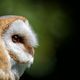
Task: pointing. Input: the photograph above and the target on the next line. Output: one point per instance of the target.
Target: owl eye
(17, 39)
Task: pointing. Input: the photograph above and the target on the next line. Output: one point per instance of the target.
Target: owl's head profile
(17, 43)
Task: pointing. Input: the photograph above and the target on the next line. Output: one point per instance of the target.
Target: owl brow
(6, 26)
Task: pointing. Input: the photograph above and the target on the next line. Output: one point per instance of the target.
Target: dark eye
(17, 39)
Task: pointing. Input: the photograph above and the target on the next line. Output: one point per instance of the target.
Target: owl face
(19, 42)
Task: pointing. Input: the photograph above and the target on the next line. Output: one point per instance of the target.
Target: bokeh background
(54, 23)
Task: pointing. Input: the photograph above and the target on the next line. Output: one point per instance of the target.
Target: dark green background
(54, 23)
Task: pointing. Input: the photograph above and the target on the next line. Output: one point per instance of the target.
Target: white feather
(19, 27)
(24, 29)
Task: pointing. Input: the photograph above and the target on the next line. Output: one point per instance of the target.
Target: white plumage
(19, 40)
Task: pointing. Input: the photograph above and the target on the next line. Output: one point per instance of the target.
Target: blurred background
(54, 23)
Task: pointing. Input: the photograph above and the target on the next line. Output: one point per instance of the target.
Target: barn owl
(17, 43)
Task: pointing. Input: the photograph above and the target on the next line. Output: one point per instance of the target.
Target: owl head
(17, 43)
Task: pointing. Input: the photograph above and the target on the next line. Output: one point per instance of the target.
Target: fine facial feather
(20, 28)
(20, 54)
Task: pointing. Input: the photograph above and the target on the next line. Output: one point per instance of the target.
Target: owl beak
(30, 50)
